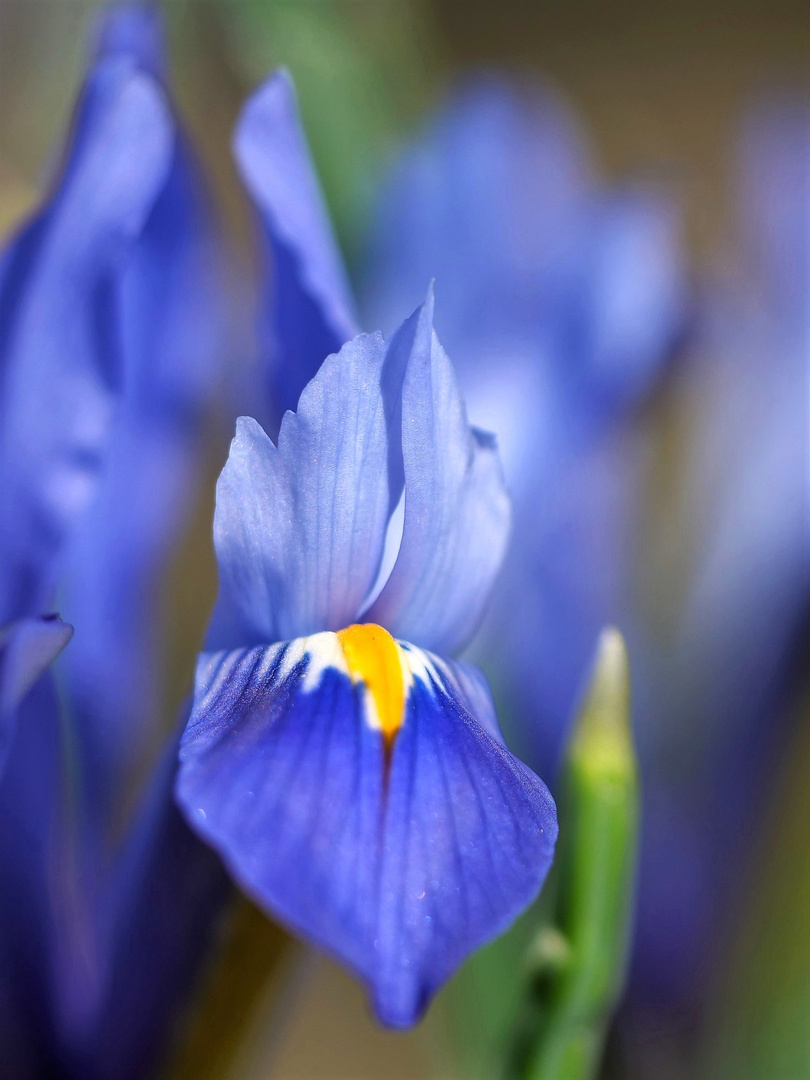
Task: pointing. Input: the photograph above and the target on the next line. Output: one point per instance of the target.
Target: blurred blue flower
(111, 338)
(110, 343)
(720, 673)
(562, 300)
(305, 310)
(357, 786)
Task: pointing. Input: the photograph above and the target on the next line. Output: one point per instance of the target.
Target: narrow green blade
(580, 960)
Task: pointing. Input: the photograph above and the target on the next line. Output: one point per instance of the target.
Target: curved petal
(309, 310)
(61, 363)
(299, 530)
(399, 857)
(171, 332)
(457, 511)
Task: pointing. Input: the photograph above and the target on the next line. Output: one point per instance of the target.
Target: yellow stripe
(372, 657)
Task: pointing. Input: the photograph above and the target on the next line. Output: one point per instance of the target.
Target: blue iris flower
(351, 776)
(561, 302)
(110, 345)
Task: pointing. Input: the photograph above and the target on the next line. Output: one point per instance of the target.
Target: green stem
(575, 998)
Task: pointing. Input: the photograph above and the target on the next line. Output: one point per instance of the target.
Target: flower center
(373, 659)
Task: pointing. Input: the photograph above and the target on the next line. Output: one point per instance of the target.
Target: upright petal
(171, 336)
(309, 311)
(398, 854)
(457, 512)
(299, 530)
(61, 364)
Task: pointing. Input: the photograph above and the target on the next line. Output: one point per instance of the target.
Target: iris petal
(457, 511)
(299, 530)
(399, 862)
(61, 364)
(170, 336)
(309, 309)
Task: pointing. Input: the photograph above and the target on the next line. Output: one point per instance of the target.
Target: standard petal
(61, 362)
(299, 530)
(457, 511)
(399, 858)
(309, 311)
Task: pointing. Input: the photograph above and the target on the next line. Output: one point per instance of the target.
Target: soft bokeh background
(660, 90)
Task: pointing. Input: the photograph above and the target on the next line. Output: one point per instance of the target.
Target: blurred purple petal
(61, 365)
(308, 309)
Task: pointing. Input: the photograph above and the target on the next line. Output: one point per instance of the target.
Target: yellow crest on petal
(374, 659)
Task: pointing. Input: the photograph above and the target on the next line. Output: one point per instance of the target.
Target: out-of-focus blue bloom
(110, 341)
(719, 677)
(110, 334)
(169, 346)
(306, 310)
(357, 786)
(60, 366)
(561, 302)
